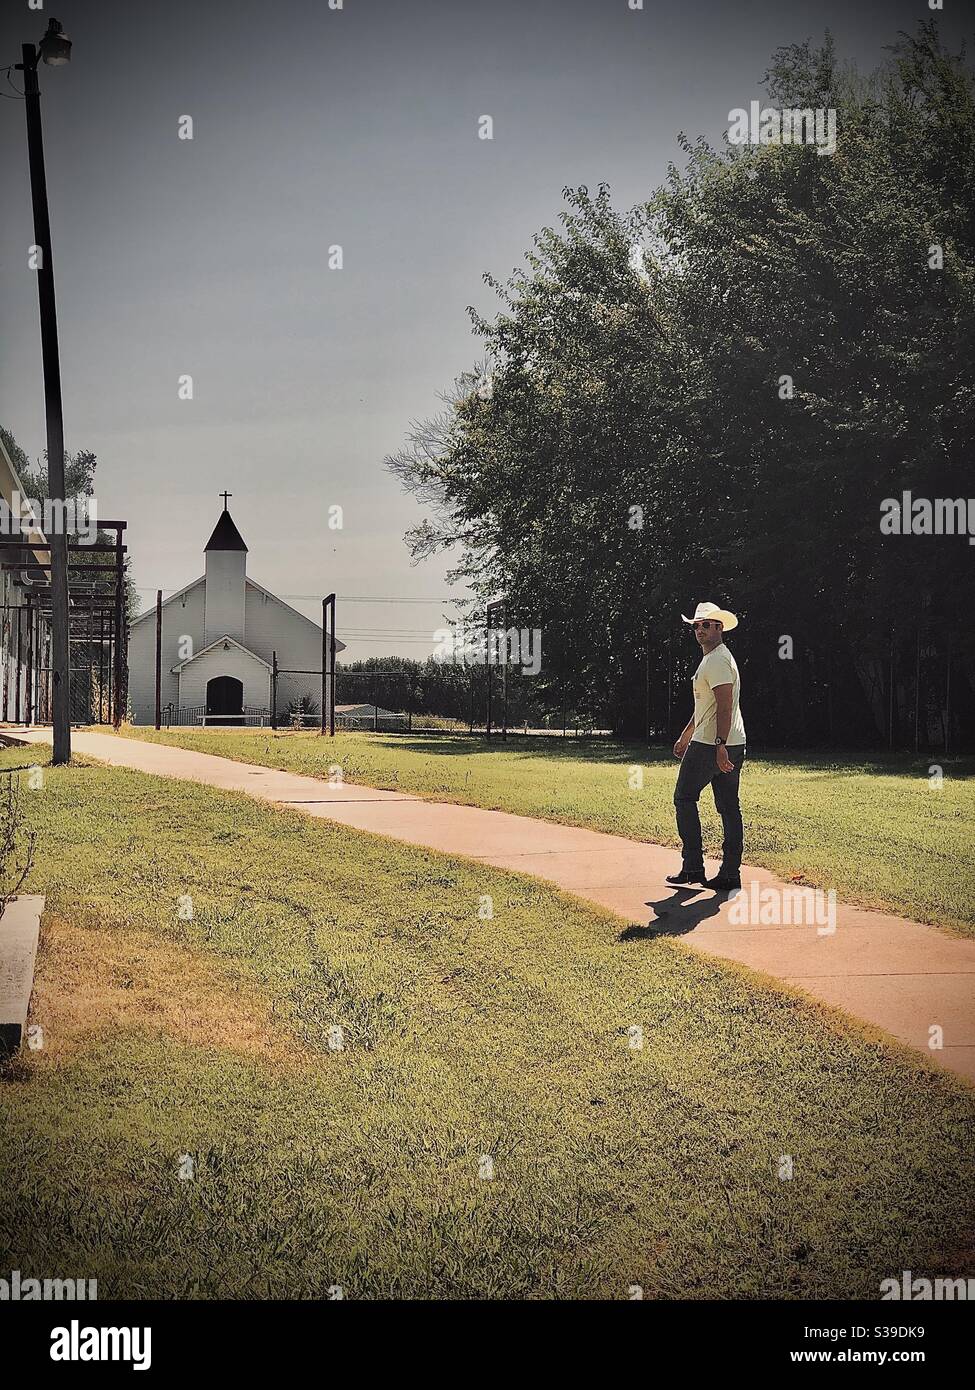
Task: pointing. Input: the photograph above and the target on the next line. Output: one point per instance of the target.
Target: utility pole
(158, 658)
(324, 712)
(55, 49)
(331, 669)
(328, 662)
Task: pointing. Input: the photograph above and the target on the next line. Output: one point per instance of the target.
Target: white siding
(229, 661)
(268, 626)
(271, 625)
(224, 602)
(182, 617)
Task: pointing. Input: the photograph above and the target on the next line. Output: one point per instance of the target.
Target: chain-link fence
(296, 698)
(254, 716)
(25, 697)
(474, 699)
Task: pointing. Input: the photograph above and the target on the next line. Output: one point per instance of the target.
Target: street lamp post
(55, 50)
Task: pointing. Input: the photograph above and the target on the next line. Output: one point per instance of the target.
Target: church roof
(225, 640)
(250, 583)
(225, 535)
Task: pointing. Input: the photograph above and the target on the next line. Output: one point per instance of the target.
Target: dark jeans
(698, 768)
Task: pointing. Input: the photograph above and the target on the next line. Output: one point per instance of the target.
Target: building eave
(151, 612)
(211, 646)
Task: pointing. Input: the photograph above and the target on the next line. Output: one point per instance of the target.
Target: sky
(315, 127)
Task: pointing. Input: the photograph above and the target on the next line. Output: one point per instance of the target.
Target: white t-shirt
(718, 667)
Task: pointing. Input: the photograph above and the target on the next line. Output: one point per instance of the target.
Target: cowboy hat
(712, 611)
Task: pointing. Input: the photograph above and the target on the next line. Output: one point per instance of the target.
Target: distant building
(365, 716)
(218, 636)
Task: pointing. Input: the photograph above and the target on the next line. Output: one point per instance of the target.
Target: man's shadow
(676, 915)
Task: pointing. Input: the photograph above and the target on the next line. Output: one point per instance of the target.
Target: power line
(10, 82)
(315, 598)
(349, 598)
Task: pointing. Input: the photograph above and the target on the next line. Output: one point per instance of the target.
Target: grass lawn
(877, 831)
(209, 1042)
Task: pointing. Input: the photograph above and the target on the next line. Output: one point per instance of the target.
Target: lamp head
(55, 46)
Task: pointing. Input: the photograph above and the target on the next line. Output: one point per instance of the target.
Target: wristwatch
(720, 742)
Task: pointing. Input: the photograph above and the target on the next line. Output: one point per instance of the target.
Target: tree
(711, 396)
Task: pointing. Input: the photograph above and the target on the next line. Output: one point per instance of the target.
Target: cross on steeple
(225, 495)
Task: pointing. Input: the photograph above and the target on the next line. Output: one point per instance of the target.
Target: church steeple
(225, 534)
(226, 575)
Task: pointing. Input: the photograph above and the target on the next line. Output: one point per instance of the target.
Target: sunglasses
(706, 623)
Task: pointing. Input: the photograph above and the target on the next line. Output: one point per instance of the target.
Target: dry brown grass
(90, 983)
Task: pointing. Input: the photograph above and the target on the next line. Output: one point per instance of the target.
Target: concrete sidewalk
(901, 976)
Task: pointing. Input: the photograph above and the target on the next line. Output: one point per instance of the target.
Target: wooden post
(101, 666)
(45, 659)
(5, 645)
(29, 679)
(158, 658)
(331, 667)
(118, 701)
(20, 658)
(110, 681)
(111, 668)
(321, 730)
(124, 666)
(328, 662)
(274, 690)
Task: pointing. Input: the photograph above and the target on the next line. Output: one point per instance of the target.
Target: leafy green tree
(711, 395)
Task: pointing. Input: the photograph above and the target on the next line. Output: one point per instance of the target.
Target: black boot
(686, 877)
(725, 880)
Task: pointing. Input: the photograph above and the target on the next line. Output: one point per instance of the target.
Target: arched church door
(225, 695)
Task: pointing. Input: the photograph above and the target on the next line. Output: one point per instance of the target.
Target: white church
(218, 637)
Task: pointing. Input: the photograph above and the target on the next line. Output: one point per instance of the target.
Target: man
(711, 749)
